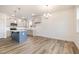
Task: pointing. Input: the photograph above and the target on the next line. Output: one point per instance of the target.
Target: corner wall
(60, 25)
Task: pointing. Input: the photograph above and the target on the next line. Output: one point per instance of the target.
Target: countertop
(19, 29)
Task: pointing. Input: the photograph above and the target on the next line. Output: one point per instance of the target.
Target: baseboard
(58, 38)
(76, 49)
(76, 44)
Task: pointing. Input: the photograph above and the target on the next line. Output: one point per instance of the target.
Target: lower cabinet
(19, 36)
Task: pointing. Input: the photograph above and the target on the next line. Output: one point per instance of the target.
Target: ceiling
(28, 10)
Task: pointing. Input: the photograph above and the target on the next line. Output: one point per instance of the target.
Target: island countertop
(17, 30)
(20, 29)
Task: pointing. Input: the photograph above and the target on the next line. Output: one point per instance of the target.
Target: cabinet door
(22, 36)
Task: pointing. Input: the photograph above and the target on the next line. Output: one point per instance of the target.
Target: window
(77, 11)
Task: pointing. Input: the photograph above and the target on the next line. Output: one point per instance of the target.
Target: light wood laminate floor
(37, 45)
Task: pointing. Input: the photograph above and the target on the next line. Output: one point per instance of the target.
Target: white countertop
(17, 30)
(20, 29)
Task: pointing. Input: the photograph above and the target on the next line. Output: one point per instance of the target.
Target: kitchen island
(19, 35)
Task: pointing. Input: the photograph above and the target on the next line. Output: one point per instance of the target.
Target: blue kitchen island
(19, 36)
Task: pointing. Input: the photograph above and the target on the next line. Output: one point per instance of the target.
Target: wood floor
(37, 45)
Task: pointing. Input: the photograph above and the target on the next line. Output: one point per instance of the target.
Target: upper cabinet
(17, 22)
(36, 19)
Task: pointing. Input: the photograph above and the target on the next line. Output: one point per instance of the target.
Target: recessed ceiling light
(19, 20)
(33, 14)
(15, 21)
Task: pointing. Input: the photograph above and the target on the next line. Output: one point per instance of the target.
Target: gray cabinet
(20, 36)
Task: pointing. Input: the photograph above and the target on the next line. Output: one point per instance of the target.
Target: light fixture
(47, 11)
(19, 20)
(15, 21)
(17, 16)
(47, 15)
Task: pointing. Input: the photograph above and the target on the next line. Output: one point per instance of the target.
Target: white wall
(60, 25)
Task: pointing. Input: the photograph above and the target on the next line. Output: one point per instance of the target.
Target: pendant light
(47, 11)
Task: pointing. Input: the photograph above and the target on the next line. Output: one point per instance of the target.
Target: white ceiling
(27, 10)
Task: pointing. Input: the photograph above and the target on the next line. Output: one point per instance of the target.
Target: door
(2, 26)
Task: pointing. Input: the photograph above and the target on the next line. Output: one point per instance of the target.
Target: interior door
(2, 26)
